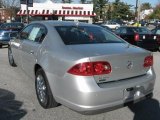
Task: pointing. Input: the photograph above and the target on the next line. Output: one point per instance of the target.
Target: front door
(29, 49)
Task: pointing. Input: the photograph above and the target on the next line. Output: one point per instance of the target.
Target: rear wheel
(0, 46)
(10, 57)
(159, 48)
(43, 90)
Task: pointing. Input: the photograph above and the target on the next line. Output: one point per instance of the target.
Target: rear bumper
(4, 42)
(85, 95)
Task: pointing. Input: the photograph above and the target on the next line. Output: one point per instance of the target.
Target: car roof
(131, 27)
(12, 23)
(7, 31)
(63, 23)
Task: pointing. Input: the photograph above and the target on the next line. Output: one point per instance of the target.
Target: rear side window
(142, 30)
(158, 32)
(6, 34)
(130, 31)
(86, 35)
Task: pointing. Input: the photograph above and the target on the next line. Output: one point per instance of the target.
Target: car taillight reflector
(136, 37)
(148, 61)
(90, 68)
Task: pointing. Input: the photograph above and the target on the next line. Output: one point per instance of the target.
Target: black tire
(10, 57)
(48, 101)
(0, 46)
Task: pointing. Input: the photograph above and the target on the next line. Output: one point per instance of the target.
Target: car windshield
(86, 35)
(142, 30)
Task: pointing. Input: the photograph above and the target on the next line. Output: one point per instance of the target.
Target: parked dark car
(118, 21)
(6, 29)
(16, 26)
(5, 37)
(157, 32)
(139, 36)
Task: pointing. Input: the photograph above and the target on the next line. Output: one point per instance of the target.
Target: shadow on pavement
(146, 110)
(10, 109)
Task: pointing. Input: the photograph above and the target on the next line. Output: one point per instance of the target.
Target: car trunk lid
(126, 60)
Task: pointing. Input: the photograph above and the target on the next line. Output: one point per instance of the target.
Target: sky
(133, 2)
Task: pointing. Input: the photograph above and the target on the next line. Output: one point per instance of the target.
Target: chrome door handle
(31, 52)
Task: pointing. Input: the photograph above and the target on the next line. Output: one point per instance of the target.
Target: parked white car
(112, 25)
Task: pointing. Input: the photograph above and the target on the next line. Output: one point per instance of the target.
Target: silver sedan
(82, 66)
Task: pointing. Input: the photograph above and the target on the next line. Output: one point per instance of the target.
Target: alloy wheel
(41, 88)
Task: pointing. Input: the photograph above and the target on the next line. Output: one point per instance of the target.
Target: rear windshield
(142, 30)
(86, 35)
(4, 34)
(12, 25)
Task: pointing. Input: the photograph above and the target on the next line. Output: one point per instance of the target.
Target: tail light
(136, 37)
(158, 39)
(90, 68)
(148, 61)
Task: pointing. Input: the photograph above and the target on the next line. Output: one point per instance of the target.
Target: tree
(83, 1)
(121, 10)
(156, 13)
(12, 7)
(10, 3)
(109, 12)
(99, 8)
(66, 1)
(146, 6)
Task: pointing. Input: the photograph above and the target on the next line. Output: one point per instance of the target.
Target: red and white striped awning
(57, 13)
(31, 12)
(35, 12)
(73, 13)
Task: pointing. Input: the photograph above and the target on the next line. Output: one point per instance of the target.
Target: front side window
(37, 33)
(86, 35)
(25, 32)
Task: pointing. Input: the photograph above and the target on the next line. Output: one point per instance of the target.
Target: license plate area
(133, 93)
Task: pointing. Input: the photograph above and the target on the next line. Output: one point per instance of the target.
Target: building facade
(59, 11)
(4, 15)
(144, 13)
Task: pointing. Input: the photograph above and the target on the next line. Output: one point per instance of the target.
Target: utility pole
(27, 12)
(136, 10)
(139, 10)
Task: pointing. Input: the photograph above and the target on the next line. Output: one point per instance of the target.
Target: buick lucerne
(81, 66)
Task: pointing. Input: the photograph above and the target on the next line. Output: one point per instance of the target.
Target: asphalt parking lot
(18, 99)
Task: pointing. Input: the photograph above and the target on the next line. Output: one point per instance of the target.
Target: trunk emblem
(129, 64)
